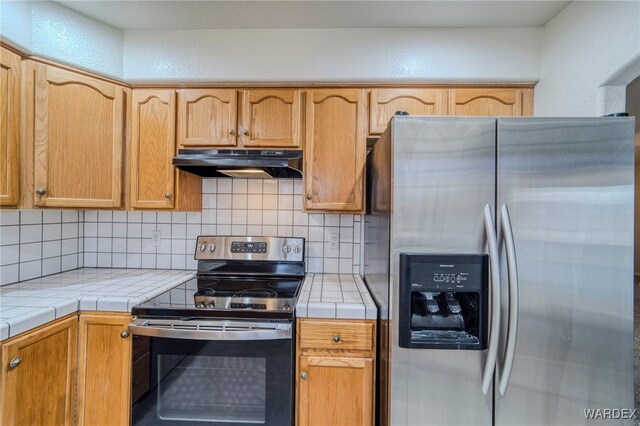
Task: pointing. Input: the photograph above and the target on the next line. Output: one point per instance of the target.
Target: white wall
(52, 31)
(334, 55)
(585, 46)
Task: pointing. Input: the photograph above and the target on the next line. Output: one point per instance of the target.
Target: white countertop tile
(340, 296)
(29, 304)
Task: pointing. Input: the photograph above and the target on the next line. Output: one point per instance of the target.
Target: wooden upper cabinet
(335, 149)
(104, 370)
(207, 118)
(153, 146)
(491, 102)
(38, 376)
(78, 140)
(270, 118)
(10, 71)
(385, 102)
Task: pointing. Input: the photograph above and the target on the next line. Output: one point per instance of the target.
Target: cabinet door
(385, 102)
(335, 391)
(9, 128)
(152, 148)
(335, 149)
(104, 370)
(270, 118)
(78, 140)
(490, 102)
(207, 118)
(38, 376)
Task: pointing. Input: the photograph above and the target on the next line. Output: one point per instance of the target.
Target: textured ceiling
(201, 15)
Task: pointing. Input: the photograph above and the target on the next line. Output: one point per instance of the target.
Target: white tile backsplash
(42, 242)
(39, 242)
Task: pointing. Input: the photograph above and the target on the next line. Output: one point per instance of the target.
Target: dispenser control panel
(440, 273)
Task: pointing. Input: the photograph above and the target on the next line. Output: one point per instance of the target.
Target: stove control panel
(249, 248)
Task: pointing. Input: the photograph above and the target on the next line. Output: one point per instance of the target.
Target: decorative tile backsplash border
(35, 243)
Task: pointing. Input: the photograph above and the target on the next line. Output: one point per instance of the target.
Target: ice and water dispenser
(443, 301)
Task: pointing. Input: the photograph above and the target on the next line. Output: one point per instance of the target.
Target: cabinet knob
(15, 362)
(308, 197)
(41, 191)
(232, 132)
(124, 334)
(303, 375)
(167, 196)
(336, 338)
(245, 132)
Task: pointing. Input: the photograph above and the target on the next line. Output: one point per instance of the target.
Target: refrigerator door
(443, 174)
(567, 185)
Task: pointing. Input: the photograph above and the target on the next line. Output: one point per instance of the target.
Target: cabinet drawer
(336, 335)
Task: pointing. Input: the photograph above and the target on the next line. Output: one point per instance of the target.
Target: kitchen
(130, 222)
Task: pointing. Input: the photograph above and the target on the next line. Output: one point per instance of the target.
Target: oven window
(212, 389)
(214, 383)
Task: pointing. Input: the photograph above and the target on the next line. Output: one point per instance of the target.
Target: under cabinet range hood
(241, 163)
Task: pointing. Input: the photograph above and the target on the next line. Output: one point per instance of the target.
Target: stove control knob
(203, 247)
(212, 247)
(286, 248)
(296, 249)
(211, 305)
(200, 305)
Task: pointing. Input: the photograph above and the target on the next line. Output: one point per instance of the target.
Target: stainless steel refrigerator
(547, 205)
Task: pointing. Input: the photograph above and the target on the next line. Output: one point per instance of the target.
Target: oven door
(212, 373)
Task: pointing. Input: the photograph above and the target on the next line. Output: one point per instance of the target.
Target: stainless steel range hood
(239, 163)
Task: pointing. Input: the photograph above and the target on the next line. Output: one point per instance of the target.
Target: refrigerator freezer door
(443, 172)
(568, 187)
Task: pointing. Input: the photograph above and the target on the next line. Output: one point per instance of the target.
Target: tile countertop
(29, 304)
(335, 296)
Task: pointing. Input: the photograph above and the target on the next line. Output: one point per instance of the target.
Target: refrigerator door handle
(512, 273)
(494, 267)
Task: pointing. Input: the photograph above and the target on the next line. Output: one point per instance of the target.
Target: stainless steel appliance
(220, 348)
(550, 201)
(241, 163)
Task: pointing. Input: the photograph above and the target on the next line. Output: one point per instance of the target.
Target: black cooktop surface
(225, 297)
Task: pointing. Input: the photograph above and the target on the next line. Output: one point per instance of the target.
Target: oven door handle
(209, 330)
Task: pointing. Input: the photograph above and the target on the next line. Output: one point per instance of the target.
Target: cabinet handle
(167, 196)
(15, 362)
(232, 132)
(245, 132)
(124, 334)
(336, 338)
(308, 197)
(303, 375)
(41, 191)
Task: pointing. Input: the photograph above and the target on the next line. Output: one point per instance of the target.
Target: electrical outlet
(333, 241)
(156, 236)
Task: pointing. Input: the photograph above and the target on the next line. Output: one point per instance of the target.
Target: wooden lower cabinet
(335, 372)
(38, 375)
(104, 369)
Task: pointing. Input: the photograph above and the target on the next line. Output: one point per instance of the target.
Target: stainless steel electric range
(220, 350)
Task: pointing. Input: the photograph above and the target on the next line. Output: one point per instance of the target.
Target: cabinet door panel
(152, 148)
(207, 117)
(336, 391)
(39, 391)
(486, 102)
(104, 370)
(9, 128)
(270, 118)
(78, 140)
(385, 102)
(335, 149)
